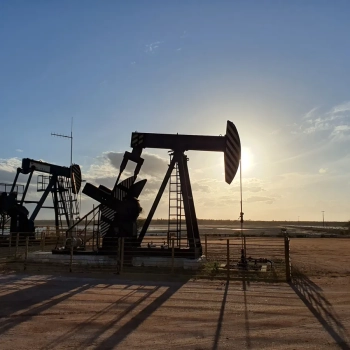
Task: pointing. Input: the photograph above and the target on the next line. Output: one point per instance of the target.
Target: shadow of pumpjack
(23, 304)
(152, 294)
(312, 296)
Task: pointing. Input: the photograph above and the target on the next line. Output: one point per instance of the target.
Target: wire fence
(255, 258)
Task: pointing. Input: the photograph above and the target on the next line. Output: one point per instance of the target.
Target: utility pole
(71, 163)
(298, 220)
(323, 217)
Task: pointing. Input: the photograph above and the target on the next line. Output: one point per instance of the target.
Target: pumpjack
(7, 200)
(62, 182)
(119, 207)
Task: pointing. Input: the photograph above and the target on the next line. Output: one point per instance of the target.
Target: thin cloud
(334, 124)
(310, 113)
(295, 181)
(152, 47)
(197, 186)
(19, 150)
(302, 155)
(344, 107)
(253, 199)
(341, 133)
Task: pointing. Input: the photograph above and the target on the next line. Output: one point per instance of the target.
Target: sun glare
(246, 158)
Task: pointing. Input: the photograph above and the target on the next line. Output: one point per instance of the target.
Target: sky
(280, 71)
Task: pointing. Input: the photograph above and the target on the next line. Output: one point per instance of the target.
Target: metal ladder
(64, 203)
(176, 216)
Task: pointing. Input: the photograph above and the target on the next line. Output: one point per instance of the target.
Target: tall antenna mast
(71, 163)
(71, 141)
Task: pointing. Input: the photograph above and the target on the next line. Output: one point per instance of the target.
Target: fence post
(58, 235)
(71, 254)
(287, 258)
(17, 241)
(228, 259)
(26, 253)
(206, 246)
(172, 254)
(10, 242)
(121, 255)
(43, 241)
(85, 232)
(245, 247)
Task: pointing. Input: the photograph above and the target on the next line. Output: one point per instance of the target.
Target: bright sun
(246, 158)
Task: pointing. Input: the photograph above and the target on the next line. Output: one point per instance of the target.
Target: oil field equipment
(7, 202)
(117, 213)
(62, 182)
(119, 208)
(229, 144)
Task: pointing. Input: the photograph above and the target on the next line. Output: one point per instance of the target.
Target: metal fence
(255, 258)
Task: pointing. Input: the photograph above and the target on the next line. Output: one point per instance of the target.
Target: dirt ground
(327, 257)
(120, 312)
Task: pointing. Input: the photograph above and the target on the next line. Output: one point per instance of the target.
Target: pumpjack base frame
(152, 252)
(158, 252)
(82, 252)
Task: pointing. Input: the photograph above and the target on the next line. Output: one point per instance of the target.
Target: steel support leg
(15, 180)
(190, 213)
(56, 204)
(27, 186)
(192, 209)
(156, 202)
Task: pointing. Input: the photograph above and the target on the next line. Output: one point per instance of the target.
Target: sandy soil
(321, 256)
(112, 312)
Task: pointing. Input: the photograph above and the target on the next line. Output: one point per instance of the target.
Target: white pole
(71, 173)
(241, 214)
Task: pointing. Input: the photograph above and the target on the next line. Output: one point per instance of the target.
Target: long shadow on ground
(45, 293)
(221, 317)
(311, 295)
(144, 291)
(122, 332)
(107, 310)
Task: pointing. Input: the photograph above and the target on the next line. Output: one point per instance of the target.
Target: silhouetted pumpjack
(63, 182)
(228, 144)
